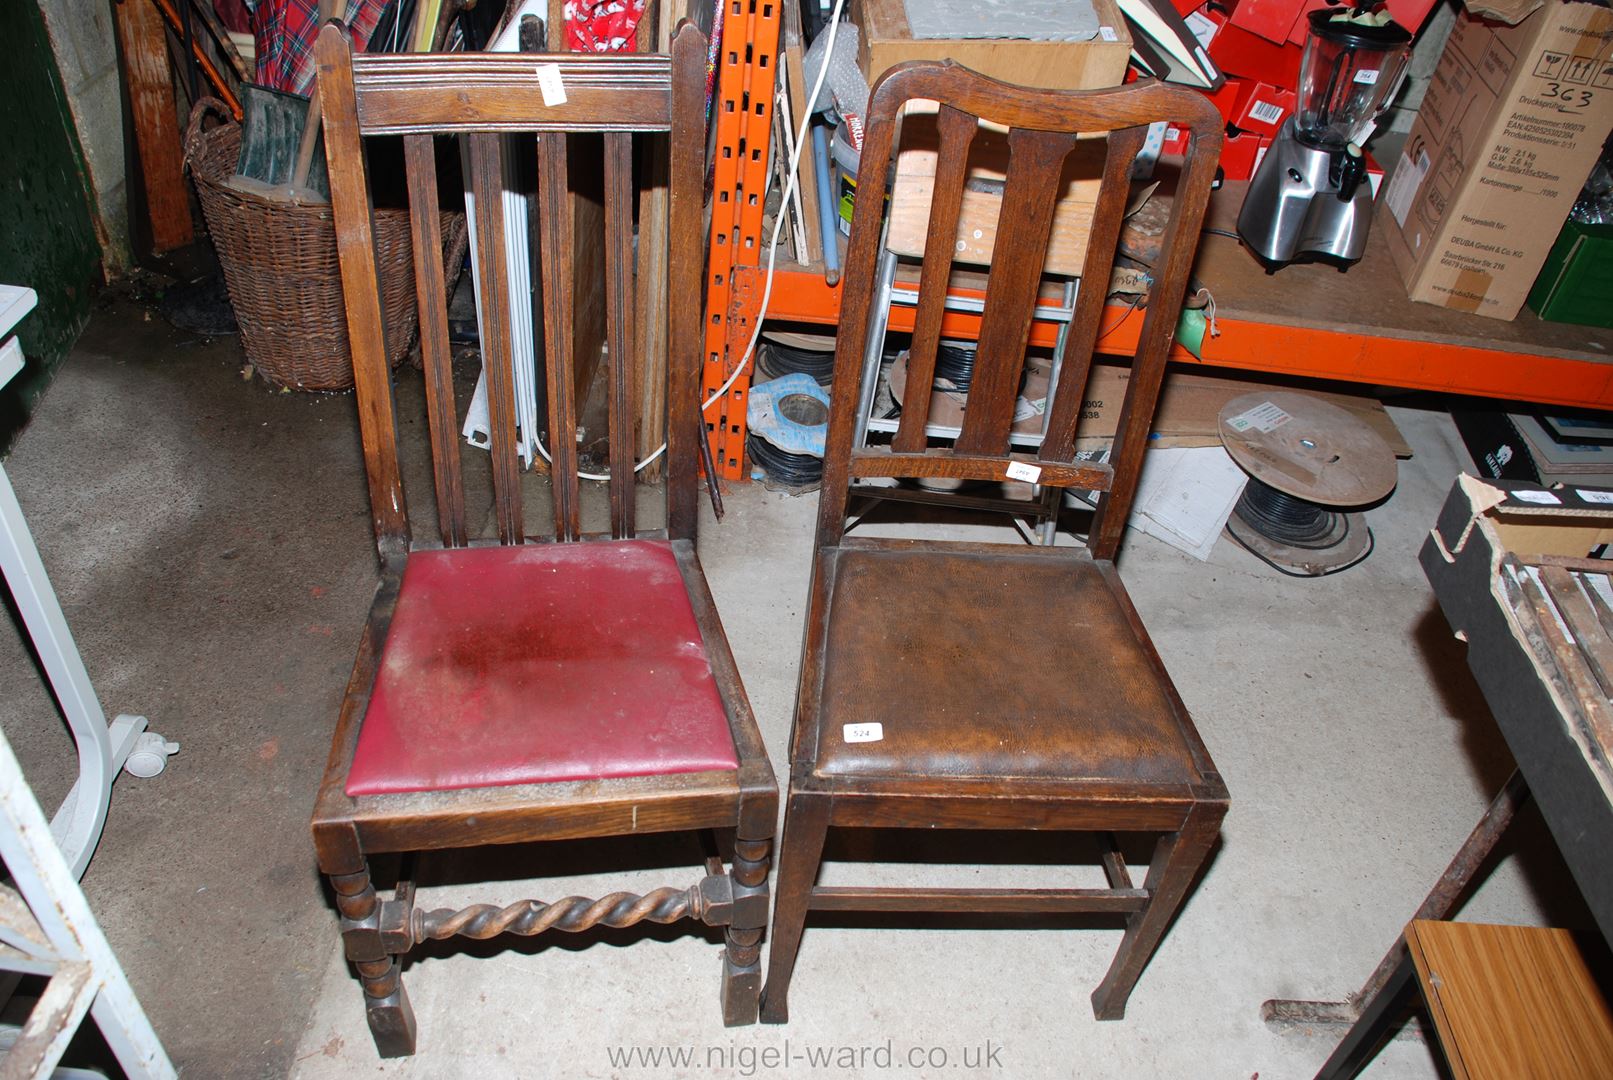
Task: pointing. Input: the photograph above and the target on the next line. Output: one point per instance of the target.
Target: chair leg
(806, 823)
(386, 1003)
(742, 955)
(1379, 1015)
(1177, 858)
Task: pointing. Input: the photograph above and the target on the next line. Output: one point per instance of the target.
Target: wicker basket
(280, 267)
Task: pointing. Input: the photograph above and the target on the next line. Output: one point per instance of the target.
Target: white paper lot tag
(1540, 498)
(1263, 417)
(1024, 470)
(552, 86)
(1594, 496)
(1405, 183)
(873, 732)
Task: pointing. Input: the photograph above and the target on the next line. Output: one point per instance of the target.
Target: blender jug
(1309, 198)
(1348, 74)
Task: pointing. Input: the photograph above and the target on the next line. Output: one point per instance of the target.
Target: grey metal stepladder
(103, 748)
(46, 926)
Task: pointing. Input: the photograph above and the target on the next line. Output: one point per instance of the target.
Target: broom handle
(310, 126)
(310, 137)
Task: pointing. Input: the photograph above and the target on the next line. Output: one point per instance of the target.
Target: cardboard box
(1241, 53)
(1512, 123)
(1284, 20)
(1225, 99)
(1175, 142)
(1302, 25)
(1240, 154)
(1495, 445)
(1515, 447)
(1271, 19)
(980, 210)
(886, 41)
(1262, 108)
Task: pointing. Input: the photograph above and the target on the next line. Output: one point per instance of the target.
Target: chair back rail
(483, 98)
(1044, 126)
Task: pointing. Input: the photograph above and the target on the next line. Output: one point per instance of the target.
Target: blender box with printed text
(1510, 128)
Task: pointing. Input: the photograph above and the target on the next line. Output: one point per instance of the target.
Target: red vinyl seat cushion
(540, 663)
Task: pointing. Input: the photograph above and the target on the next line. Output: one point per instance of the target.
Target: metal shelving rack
(1289, 330)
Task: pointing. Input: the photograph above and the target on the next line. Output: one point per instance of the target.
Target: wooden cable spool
(1311, 466)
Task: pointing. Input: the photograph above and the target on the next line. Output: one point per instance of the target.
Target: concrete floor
(210, 543)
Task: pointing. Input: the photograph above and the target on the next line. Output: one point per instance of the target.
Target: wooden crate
(1058, 65)
(1062, 65)
(914, 185)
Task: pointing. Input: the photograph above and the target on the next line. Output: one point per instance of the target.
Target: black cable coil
(783, 467)
(1286, 519)
(956, 365)
(778, 360)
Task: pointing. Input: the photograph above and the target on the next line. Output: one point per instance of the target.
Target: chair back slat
(555, 244)
(619, 298)
(686, 285)
(420, 168)
(366, 333)
(957, 130)
(484, 102)
(487, 170)
(1043, 127)
(1154, 342)
(1035, 166)
(1075, 363)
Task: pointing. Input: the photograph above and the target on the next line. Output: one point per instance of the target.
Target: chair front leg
(374, 937)
(806, 824)
(742, 954)
(1177, 858)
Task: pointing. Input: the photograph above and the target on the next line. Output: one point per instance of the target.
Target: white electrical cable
(772, 257)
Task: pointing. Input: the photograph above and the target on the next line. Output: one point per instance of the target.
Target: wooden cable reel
(1312, 467)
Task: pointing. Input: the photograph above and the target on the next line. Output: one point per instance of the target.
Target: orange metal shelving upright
(745, 77)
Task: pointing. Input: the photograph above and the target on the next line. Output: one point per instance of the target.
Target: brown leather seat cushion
(991, 665)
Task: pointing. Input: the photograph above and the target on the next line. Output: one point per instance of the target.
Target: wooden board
(791, 47)
(1369, 298)
(1512, 1001)
(1190, 405)
(914, 186)
(650, 351)
(585, 160)
(887, 41)
(156, 125)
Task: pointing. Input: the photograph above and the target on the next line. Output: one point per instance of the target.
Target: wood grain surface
(1512, 1002)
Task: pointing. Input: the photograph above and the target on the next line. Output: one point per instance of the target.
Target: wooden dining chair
(984, 686)
(531, 688)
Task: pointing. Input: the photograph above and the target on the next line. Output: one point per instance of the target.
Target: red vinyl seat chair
(533, 687)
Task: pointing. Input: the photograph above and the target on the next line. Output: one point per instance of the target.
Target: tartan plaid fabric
(284, 32)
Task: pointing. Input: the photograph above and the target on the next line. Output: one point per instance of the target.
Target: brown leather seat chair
(984, 686)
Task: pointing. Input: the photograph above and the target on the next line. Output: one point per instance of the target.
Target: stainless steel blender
(1310, 199)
